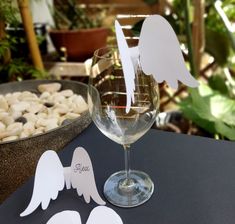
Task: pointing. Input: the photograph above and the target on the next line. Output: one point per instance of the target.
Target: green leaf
(201, 105)
(222, 109)
(191, 114)
(213, 107)
(211, 111)
(225, 130)
(216, 82)
(218, 45)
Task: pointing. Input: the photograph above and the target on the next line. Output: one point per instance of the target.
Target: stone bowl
(18, 158)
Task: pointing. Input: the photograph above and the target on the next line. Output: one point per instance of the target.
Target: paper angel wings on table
(99, 215)
(159, 54)
(51, 177)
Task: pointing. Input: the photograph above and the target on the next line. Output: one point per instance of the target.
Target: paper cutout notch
(51, 177)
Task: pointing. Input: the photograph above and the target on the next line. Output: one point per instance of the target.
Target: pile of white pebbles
(24, 114)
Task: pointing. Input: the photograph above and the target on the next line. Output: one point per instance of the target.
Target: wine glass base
(122, 193)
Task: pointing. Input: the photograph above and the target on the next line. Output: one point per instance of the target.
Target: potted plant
(78, 29)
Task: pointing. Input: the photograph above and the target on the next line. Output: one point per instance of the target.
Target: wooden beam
(198, 31)
(7, 53)
(2, 29)
(30, 34)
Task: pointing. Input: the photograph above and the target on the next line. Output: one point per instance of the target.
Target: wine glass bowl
(107, 106)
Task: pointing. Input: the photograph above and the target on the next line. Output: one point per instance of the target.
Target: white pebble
(45, 95)
(16, 94)
(28, 96)
(66, 92)
(72, 116)
(3, 104)
(50, 87)
(42, 115)
(72, 98)
(7, 120)
(39, 130)
(21, 106)
(15, 128)
(51, 126)
(53, 114)
(30, 117)
(58, 98)
(10, 138)
(1, 110)
(61, 109)
(35, 107)
(40, 118)
(24, 134)
(3, 114)
(12, 99)
(25, 93)
(80, 105)
(4, 134)
(29, 128)
(15, 114)
(2, 127)
(41, 122)
(8, 94)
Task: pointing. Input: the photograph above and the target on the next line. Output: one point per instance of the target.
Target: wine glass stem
(127, 160)
(127, 184)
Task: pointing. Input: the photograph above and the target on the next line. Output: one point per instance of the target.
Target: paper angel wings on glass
(99, 215)
(159, 54)
(51, 177)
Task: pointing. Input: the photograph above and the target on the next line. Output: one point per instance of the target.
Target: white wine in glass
(107, 106)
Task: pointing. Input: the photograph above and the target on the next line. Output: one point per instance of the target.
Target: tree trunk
(198, 31)
(7, 53)
(2, 29)
(158, 7)
(30, 34)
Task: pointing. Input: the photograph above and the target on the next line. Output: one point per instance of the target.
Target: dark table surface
(194, 180)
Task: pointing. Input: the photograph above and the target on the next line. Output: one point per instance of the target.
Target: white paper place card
(51, 177)
(82, 176)
(65, 217)
(99, 215)
(104, 215)
(49, 180)
(128, 68)
(158, 53)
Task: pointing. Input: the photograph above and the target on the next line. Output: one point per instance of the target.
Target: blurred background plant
(71, 15)
(15, 63)
(206, 26)
(212, 105)
(79, 29)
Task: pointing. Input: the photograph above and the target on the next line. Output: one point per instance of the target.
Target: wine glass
(107, 106)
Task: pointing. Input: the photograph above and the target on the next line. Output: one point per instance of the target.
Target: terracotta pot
(80, 44)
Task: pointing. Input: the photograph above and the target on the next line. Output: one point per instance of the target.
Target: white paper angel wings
(159, 53)
(99, 215)
(51, 176)
(49, 180)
